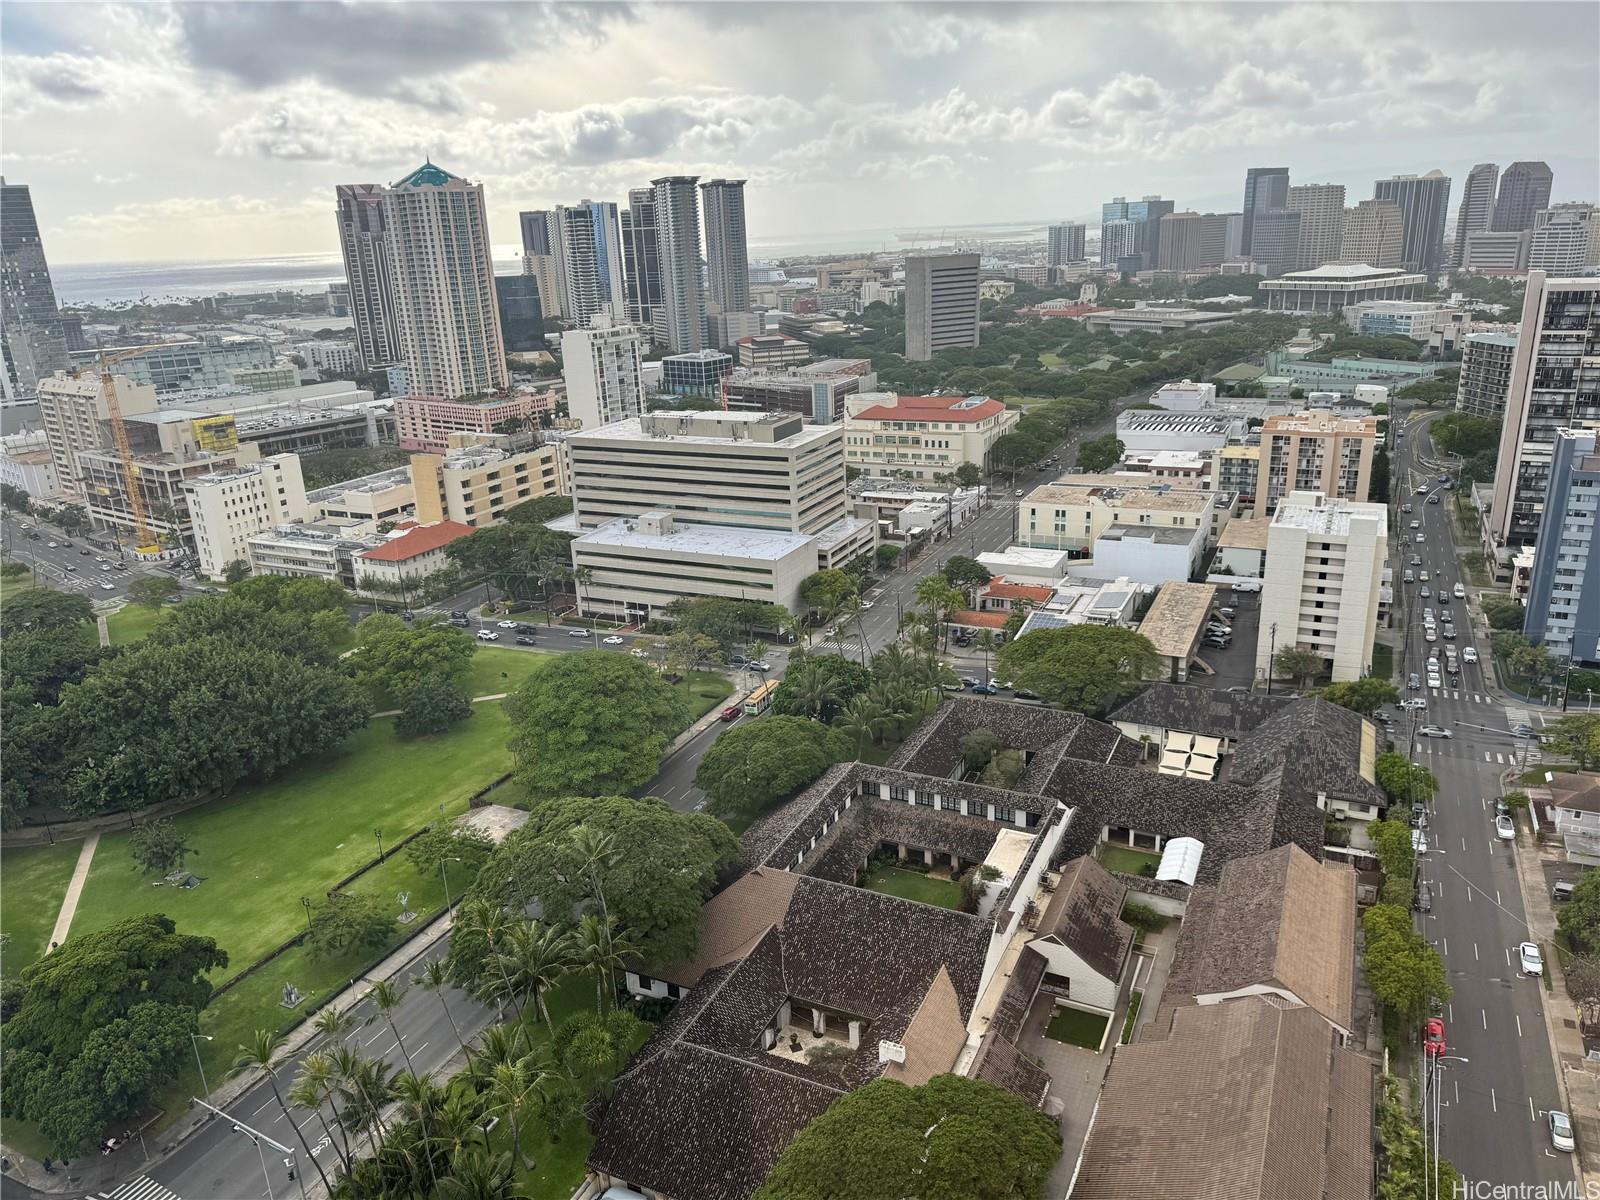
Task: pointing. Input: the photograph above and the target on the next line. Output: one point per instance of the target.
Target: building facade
(679, 323)
(363, 243)
(1336, 286)
(477, 479)
(1071, 515)
(1372, 234)
(1555, 385)
(1064, 244)
(727, 259)
(1220, 235)
(1491, 253)
(588, 245)
(1486, 367)
(1265, 189)
(641, 256)
(941, 304)
(426, 424)
(816, 390)
(772, 351)
(1321, 209)
(604, 372)
(1424, 202)
(1524, 191)
(1563, 606)
(521, 314)
(697, 374)
(1477, 208)
(227, 508)
(1180, 242)
(1275, 241)
(76, 419)
(923, 436)
(32, 337)
(1317, 452)
(441, 268)
(1322, 582)
(1559, 244)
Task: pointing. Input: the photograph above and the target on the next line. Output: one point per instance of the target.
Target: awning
(1180, 860)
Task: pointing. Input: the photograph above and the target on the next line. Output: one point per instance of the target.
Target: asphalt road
(1493, 1106)
(65, 566)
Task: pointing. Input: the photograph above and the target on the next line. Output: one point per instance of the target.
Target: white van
(1459, 592)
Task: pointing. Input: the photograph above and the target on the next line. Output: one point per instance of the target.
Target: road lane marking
(1474, 951)
(1485, 1015)
(1518, 1016)
(1532, 1113)
(1493, 1103)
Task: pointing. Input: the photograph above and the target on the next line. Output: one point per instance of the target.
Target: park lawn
(1051, 359)
(1121, 858)
(131, 623)
(1077, 1028)
(494, 670)
(1383, 662)
(913, 885)
(268, 844)
(706, 690)
(33, 879)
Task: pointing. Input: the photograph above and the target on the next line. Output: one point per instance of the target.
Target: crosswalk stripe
(142, 1188)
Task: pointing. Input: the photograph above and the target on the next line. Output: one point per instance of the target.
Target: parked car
(638, 653)
(760, 665)
(1530, 958)
(1419, 842)
(613, 640)
(1438, 731)
(1459, 592)
(488, 635)
(1561, 1131)
(1226, 613)
(1562, 891)
(1505, 829)
(983, 689)
(1424, 900)
(1433, 1042)
(1217, 641)
(738, 660)
(524, 640)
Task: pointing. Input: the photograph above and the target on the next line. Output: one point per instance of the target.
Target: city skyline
(1150, 101)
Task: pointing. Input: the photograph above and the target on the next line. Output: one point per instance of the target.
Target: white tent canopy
(1180, 860)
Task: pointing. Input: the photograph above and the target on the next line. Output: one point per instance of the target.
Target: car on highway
(1561, 1131)
(577, 633)
(731, 713)
(1433, 499)
(1416, 525)
(108, 587)
(1413, 703)
(1429, 635)
(1416, 560)
(614, 640)
(1421, 538)
(53, 545)
(1459, 592)
(761, 665)
(488, 635)
(1438, 731)
(1425, 593)
(1448, 631)
(1433, 1042)
(1406, 507)
(1505, 829)
(1424, 576)
(1413, 682)
(1445, 480)
(505, 625)
(1422, 489)
(1019, 493)
(1469, 654)
(1530, 958)
(866, 605)
(524, 640)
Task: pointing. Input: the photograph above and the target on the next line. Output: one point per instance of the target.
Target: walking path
(103, 629)
(69, 902)
(395, 712)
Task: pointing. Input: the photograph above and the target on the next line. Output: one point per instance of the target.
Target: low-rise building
(1154, 319)
(1242, 548)
(1188, 468)
(1573, 801)
(772, 351)
(407, 554)
(327, 355)
(1321, 584)
(1333, 287)
(1186, 396)
(211, 364)
(696, 373)
(1148, 431)
(924, 436)
(229, 507)
(1070, 514)
(1175, 623)
(321, 551)
(817, 391)
(363, 503)
(426, 423)
(1146, 554)
(1019, 564)
(1088, 602)
(477, 479)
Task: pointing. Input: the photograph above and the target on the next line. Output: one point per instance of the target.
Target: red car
(1433, 1037)
(731, 713)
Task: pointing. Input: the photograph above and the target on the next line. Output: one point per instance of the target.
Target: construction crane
(144, 540)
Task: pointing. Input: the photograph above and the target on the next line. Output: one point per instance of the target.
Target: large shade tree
(753, 766)
(1086, 668)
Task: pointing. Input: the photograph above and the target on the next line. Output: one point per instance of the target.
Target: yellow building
(476, 480)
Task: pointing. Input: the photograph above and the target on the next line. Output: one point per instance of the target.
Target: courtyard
(913, 885)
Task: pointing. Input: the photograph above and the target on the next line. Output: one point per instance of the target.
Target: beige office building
(1321, 209)
(1322, 581)
(1317, 452)
(1071, 515)
(1180, 242)
(229, 507)
(477, 480)
(1372, 234)
(922, 436)
(76, 419)
(362, 504)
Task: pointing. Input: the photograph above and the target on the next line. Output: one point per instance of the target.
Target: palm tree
(599, 950)
(386, 997)
(334, 1024)
(257, 1055)
(535, 959)
(861, 719)
(419, 1095)
(987, 642)
(503, 1043)
(479, 1175)
(509, 1089)
(314, 1086)
(436, 979)
(348, 1079)
(597, 852)
(815, 688)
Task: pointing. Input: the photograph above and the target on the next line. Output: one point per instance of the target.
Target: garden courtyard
(913, 885)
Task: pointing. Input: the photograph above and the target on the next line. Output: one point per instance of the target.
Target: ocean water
(156, 281)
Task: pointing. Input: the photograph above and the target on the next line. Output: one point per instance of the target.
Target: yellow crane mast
(144, 540)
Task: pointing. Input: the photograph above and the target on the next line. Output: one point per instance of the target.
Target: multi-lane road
(1493, 1105)
(70, 563)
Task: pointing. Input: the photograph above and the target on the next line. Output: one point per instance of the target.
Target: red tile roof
(999, 589)
(932, 408)
(973, 619)
(421, 540)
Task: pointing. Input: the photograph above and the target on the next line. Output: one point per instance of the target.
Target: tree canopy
(820, 686)
(952, 1137)
(1403, 780)
(44, 608)
(758, 763)
(592, 723)
(1086, 668)
(1101, 454)
(392, 656)
(1365, 695)
(665, 867)
(102, 1023)
(826, 590)
(1403, 970)
(1579, 918)
(431, 705)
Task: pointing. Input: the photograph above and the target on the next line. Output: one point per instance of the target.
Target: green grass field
(132, 623)
(494, 670)
(267, 845)
(33, 879)
(1077, 1028)
(1121, 858)
(913, 885)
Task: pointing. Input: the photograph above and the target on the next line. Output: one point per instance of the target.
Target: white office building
(1186, 396)
(604, 371)
(1560, 242)
(1322, 581)
(231, 506)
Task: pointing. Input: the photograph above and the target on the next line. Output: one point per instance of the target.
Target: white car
(108, 587)
(1434, 681)
(865, 605)
(505, 624)
(613, 640)
(1423, 575)
(1414, 704)
(1561, 1131)
(638, 653)
(1460, 592)
(1419, 842)
(1505, 829)
(1530, 958)
(1421, 538)
(1428, 635)
(1438, 731)
(1468, 654)
(577, 633)
(488, 635)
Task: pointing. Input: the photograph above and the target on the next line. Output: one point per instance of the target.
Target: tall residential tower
(727, 258)
(1477, 208)
(359, 208)
(34, 344)
(680, 320)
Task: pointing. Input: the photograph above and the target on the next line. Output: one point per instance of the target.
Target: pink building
(425, 423)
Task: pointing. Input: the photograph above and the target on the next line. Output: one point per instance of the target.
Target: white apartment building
(1071, 514)
(229, 507)
(1186, 396)
(441, 271)
(337, 357)
(1561, 240)
(25, 463)
(604, 371)
(1322, 581)
(76, 419)
(924, 436)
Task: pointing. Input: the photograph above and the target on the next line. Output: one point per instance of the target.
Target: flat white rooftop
(632, 430)
(1333, 517)
(721, 541)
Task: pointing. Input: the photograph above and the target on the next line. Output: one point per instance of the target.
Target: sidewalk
(69, 902)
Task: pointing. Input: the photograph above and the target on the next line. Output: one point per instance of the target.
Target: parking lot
(1235, 665)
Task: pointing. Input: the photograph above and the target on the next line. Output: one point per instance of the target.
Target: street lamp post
(444, 875)
(194, 1040)
(305, 902)
(378, 835)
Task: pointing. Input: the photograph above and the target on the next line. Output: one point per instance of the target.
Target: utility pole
(1272, 653)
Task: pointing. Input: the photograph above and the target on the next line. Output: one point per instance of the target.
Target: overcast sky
(204, 131)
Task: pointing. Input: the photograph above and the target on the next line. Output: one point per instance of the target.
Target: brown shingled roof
(1085, 916)
(935, 1036)
(1244, 1100)
(733, 920)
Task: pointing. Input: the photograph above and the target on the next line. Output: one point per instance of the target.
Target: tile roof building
(926, 436)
